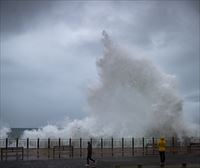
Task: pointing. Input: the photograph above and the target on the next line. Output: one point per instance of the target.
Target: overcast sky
(49, 51)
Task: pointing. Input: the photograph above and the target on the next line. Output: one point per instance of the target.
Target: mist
(132, 98)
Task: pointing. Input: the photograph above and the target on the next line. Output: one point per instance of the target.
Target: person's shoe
(162, 165)
(87, 165)
(95, 162)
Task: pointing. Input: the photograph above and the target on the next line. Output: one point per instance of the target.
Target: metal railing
(102, 147)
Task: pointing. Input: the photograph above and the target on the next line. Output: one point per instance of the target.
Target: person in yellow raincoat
(162, 149)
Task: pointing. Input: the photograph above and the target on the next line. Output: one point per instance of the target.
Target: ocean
(17, 132)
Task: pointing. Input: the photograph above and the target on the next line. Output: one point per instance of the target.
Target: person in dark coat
(89, 153)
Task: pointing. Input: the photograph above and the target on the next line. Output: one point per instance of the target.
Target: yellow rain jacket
(162, 145)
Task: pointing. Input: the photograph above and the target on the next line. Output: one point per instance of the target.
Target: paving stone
(146, 161)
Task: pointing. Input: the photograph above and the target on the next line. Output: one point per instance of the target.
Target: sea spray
(133, 98)
(4, 131)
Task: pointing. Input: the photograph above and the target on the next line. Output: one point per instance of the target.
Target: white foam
(4, 132)
(133, 98)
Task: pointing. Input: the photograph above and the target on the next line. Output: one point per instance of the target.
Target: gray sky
(49, 50)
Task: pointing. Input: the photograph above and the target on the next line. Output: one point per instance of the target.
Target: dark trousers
(89, 157)
(162, 156)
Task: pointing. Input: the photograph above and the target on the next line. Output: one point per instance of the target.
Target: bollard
(112, 146)
(143, 146)
(122, 146)
(184, 164)
(101, 147)
(153, 145)
(38, 147)
(59, 147)
(49, 146)
(139, 165)
(27, 147)
(132, 146)
(80, 147)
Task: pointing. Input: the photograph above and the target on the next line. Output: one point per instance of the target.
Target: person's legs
(88, 157)
(163, 157)
(160, 153)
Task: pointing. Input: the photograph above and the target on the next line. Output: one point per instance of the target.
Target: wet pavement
(192, 160)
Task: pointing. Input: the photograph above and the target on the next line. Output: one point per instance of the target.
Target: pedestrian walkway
(174, 161)
(157, 166)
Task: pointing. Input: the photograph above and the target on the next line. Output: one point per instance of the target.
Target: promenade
(175, 161)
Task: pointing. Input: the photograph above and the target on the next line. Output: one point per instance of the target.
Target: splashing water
(133, 98)
(4, 131)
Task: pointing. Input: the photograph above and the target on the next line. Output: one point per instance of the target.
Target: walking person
(162, 148)
(89, 154)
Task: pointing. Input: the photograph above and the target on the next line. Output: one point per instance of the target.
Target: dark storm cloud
(18, 16)
(167, 19)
